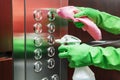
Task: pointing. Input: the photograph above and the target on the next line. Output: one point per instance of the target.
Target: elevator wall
(5, 39)
(5, 26)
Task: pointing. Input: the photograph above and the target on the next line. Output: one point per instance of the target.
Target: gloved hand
(85, 23)
(103, 20)
(85, 55)
(77, 55)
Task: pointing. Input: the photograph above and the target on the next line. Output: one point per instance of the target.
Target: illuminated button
(51, 40)
(51, 27)
(38, 54)
(45, 78)
(55, 77)
(51, 63)
(37, 28)
(38, 41)
(37, 66)
(37, 15)
(51, 51)
(51, 15)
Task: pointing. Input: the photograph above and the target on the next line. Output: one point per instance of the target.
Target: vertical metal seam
(25, 38)
(12, 40)
(58, 52)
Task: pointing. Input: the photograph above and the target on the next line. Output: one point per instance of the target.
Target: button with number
(38, 41)
(37, 28)
(51, 15)
(37, 54)
(51, 63)
(51, 51)
(51, 39)
(37, 66)
(37, 15)
(51, 27)
(55, 77)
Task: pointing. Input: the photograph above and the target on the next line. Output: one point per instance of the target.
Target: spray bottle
(81, 73)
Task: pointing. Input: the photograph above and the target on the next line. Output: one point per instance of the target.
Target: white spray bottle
(81, 73)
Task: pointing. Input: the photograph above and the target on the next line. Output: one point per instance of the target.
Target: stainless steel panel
(18, 40)
(35, 27)
(49, 65)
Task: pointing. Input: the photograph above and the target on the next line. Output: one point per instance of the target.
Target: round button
(55, 77)
(51, 63)
(37, 15)
(38, 54)
(51, 39)
(51, 51)
(51, 27)
(45, 78)
(37, 66)
(37, 28)
(38, 41)
(51, 15)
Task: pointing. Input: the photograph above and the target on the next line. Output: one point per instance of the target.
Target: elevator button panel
(45, 61)
(46, 29)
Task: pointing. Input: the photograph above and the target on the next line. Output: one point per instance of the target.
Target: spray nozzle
(68, 39)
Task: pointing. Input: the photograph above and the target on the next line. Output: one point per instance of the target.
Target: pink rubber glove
(89, 26)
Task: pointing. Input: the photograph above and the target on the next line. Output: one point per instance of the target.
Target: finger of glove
(80, 14)
(63, 55)
(63, 48)
(82, 22)
(63, 51)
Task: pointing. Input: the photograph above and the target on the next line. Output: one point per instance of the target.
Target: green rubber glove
(103, 20)
(85, 55)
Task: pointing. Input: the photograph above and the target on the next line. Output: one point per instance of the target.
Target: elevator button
(37, 66)
(55, 77)
(37, 15)
(51, 27)
(51, 39)
(51, 15)
(45, 78)
(51, 51)
(37, 28)
(38, 41)
(51, 63)
(38, 54)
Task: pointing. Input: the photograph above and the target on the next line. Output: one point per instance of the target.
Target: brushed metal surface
(25, 64)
